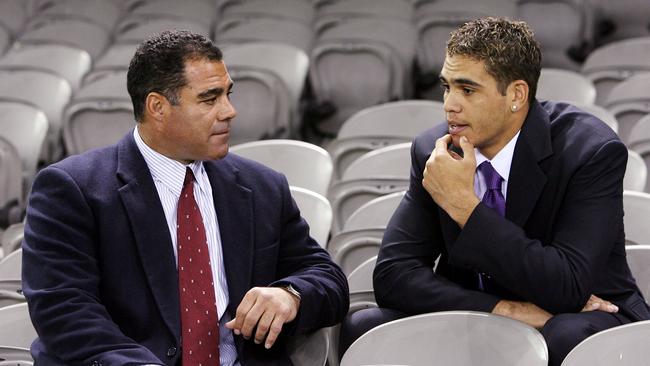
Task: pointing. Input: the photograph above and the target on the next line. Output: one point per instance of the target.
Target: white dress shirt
(501, 162)
(168, 176)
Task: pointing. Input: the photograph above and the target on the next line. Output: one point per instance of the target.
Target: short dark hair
(159, 65)
(507, 47)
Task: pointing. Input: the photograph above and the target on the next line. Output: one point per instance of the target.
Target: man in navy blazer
(99, 266)
(556, 260)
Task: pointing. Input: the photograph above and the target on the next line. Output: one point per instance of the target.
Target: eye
(445, 87)
(228, 93)
(209, 101)
(468, 91)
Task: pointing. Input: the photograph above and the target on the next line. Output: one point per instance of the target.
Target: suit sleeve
(559, 276)
(305, 265)
(61, 278)
(404, 278)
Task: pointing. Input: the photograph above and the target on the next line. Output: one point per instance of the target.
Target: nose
(228, 111)
(451, 104)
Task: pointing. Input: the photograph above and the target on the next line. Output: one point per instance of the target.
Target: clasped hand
(449, 179)
(264, 310)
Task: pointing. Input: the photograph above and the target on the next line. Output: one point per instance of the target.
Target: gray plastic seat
(638, 258)
(625, 345)
(310, 349)
(200, 12)
(243, 30)
(15, 356)
(16, 328)
(26, 127)
(601, 113)
(360, 279)
(11, 180)
(13, 16)
(100, 12)
(349, 249)
(460, 338)
(565, 86)
(316, 210)
(628, 17)
(397, 9)
(11, 265)
(5, 40)
(391, 161)
(80, 33)
(12, 237)
(639, 141)
(71, 63)
(375, 213)
(104, 85)
(629, 101)
(133, 30)
(637, 210)
(636, 172)
(116, 58)
(292, 10)
(612, 63)
(305, 165)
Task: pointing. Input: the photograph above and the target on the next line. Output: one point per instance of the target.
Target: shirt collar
(502, 161)
(168, 171)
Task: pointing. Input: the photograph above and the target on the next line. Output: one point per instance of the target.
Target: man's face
(198, 127)
(474, 106)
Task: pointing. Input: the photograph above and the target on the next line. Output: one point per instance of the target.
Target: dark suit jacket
(562, 238)
(99, 270)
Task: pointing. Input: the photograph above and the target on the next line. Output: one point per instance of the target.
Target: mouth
(456, 128)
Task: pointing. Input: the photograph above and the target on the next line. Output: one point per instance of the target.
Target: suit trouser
(562, 332)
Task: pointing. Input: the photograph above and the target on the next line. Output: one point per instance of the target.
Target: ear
(518, 95)
(156, 106)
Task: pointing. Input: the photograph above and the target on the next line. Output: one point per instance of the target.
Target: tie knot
(189, 176)
(492, 179)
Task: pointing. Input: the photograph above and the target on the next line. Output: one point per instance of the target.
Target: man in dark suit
(164, 249)
(520, 200)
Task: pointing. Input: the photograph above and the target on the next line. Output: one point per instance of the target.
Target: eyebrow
(214, 91)
(460, 81)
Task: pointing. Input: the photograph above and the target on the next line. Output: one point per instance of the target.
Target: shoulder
(91, 165)
(570, 122)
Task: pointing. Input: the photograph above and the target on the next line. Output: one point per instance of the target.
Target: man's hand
(596, 303)
(526, 312)
(268, 309)
(449, 179)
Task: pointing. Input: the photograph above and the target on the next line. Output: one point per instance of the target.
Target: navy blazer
(99, 271)
(561, 240)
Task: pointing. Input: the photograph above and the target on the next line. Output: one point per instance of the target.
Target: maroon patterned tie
(199, 319)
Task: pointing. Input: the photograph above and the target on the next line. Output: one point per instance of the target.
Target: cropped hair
(507, 47)
(159, 65)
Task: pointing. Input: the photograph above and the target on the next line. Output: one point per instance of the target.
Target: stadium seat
(101, 12)
(360, 279)
(565, 86)
(310, 349)
(639, 141)
(16, 328)
(11, 184)
(136, 30)
(198, 12)
(316, 210)
(375, 213)
(629, 101)
(638, 258)
(291, 10)
(637, 210)
(244, 30)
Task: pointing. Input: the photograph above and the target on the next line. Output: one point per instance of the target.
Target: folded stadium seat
(433, 338)
(16, 356)
(305, 165)
(71, 63)
(244, 30)
(263, 105)
(316, 210)
(11, 265)
(80, 33)
(136, 30)
(629, 101)
(309, 349)
(47, 92)
(99, 114)
(116, 58)
(601, 113)
(13, 16)
(16, 329)
(199, 12)
(5, 40)
(639, 141)
(374, 174)
(565, 86)
(622, 19)
(289, 63)
(294, 10)
(375, 213)
(12, 238)
(11, 184)
(380, 126)
(637, 210)
(435, 19)
(398, 9)
(101, 12)
(612, 63)
(638, 258)
(359, 300)
(624, 345)
(360, 62)
(636, 172)
(563, 36)
(349, 249)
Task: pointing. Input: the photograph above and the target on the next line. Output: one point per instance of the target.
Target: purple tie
(493, 198)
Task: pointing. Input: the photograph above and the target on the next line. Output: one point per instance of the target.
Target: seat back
(80, 33)
(288, 10)
(116, 58)
(391, 9)
(93, 124)
(636, 173)
(349, 249)
(244, 30)
(136, 30)
(639, 141)
(101, 12)
(391, 162)
(11, 265)
(434, 339)
(11, 174)
(638, 258)
(25, 126)
(316, 210)
(198, 12)
(15, 356)
(13, 17)
(305, 165)
(637, 210)
(629, 101)
(626, 19)
(374, 213)
(360, 279)
(12, 237)
(310, 349)
(16, 328)
(625, 345)
(565, 86)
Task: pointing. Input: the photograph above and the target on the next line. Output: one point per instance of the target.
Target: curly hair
(507, 47)
(159, 65)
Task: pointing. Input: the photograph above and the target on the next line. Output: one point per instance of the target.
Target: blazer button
(97, 363)
(171, 352)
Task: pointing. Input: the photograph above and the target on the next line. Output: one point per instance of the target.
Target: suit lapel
(234, 205)
(527, 179)
(152, 237)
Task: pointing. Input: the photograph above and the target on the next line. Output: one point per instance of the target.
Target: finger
(455, 155)
(468, 149)
(274, 332)
(442, 143)
(250, 322)
(263, 326)
(242, 310)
